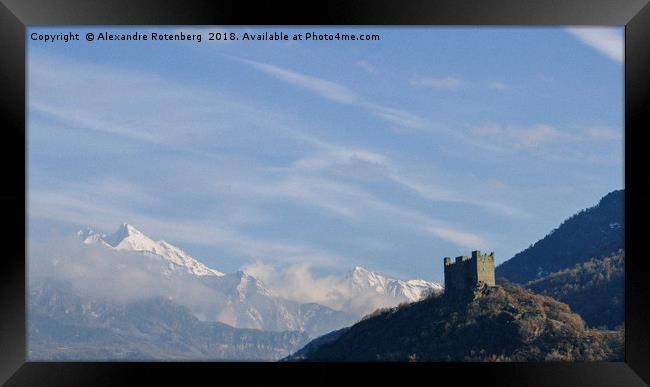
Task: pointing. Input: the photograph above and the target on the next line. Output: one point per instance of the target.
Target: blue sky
(389, 154)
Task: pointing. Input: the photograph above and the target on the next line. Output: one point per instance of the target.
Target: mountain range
(199, 312)
(238, 300)
(249, 303)
(64, 325)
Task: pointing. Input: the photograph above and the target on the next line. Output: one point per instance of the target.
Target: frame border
(16, 16)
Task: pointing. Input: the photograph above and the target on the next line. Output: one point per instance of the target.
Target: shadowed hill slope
(594, 289)
(503, 323)
(596, 232)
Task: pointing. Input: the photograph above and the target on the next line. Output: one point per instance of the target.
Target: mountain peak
(362, 279)
(360, 269)
(128, 230)
(87, 235)
(129, 238)
(85, 232)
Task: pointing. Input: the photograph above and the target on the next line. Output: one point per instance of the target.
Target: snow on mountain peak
(88, 235)
(128, 238)
(127, 232)
(361, 279)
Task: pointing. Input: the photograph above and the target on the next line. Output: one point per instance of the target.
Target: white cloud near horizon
(606, 40)
(126, 276)
(297, 283)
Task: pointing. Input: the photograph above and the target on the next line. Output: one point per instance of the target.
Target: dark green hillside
(594, 289)
(503, 323)
(598, 231)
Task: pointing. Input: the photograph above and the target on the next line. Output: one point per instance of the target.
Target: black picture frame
(17, 15)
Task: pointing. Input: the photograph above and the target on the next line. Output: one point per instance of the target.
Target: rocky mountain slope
(63, 325)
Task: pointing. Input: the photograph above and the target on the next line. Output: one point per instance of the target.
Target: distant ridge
(595, 232)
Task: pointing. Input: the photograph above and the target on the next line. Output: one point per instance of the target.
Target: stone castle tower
(462, 276)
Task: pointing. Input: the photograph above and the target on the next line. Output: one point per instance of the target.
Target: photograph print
(325, 194)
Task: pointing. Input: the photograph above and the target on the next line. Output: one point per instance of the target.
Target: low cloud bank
(117, 276)
(120, 276)
(296, 282)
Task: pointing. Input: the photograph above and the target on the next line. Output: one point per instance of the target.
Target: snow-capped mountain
(247, 303)
(243, 301)
(362, 280)
(128, 238)
(237, 299)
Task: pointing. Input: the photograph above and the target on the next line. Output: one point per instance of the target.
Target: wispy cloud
(108, 202)
(339, 93)
(463, 239)
(448, 83)
(86, 96)
(87, 121)
(522, 138)
(606, 40)
(368, 165)
(603, 133)
(402, 119)
(354, 204)
(367, 66)
(495, 85)
(324, 88)
(547, 142)
(452, 83)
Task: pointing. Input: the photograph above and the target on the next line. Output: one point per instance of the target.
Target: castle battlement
(464, 273)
